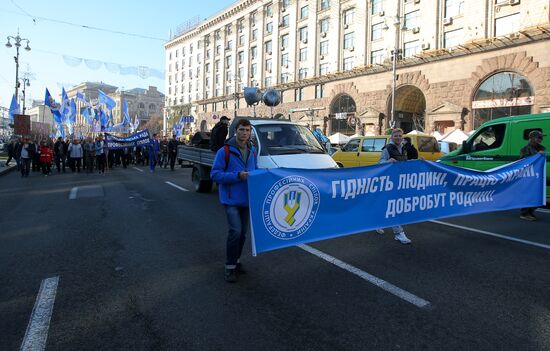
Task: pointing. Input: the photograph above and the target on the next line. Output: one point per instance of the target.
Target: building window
(303, 54)
(229, 45)
(323, 69)
(268, 65)
(323, 48)
(304, 12)
(453, 38)
(253, 52)
(302, 73)
(228, 29)
(284, 60)
(284, 78)
(217, 65)
(348, 63)
(411, 48)
(506, 25)
(241, 57)
(253, 70)
(348, 40)
(267, 82)
(269, 27)
(207, 54)
(228, 61)
(377, 57)
(199, 57)
(325, 4)
(207, 68)
(228, 76)
(509, 91)
(454, 8)
(284, 41)
(303, 34)
(298, 94)
(377, 30)
(241, 40)
(217, 78)
(319, 91)
(254, 34)
(268, 10)
(218, 49)
(253, 19)
(377, 6)
(323, 25)
(285, 3)
(191, 49)
(268, 47)
(348, 16)
(286, 21)
(411, 19)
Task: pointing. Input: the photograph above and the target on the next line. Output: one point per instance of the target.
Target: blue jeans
(237, 221)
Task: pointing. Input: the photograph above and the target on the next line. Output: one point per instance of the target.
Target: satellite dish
(271, 97)
(252, 95)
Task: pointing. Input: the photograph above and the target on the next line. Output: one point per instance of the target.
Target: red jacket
(46, 155)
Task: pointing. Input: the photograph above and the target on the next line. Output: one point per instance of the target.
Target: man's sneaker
(528, 217)
(230, 275)
(380, 231)
(401, 237)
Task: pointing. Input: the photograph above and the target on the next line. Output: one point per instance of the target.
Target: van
(498, 142)
(366, 150)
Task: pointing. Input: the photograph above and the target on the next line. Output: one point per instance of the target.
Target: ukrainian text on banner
(295, 206)
(138, 139)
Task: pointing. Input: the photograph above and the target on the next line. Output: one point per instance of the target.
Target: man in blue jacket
(231, 167)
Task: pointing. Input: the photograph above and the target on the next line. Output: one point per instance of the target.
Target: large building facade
(459, 62)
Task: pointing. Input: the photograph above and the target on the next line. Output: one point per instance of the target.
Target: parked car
(365, 151)
(447, 146)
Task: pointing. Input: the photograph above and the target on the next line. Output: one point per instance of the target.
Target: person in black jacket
(219, 133)
(27, 151)
(412, 153)
(11, 153)
(172, 151)
(532, 148)
(60, 155)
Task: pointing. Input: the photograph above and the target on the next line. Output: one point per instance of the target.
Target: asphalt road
(140, 267)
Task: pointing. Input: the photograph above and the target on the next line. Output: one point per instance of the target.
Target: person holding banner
(395, 151)
(232, 164)
(154, 152)
(532, 148)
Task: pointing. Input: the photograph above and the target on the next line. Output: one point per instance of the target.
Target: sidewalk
(4, 169)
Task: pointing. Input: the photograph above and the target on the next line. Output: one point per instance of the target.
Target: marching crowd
(89, 155)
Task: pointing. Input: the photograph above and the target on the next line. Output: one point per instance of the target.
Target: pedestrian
(26, 152)
(532, 148)
(76, 153)
(412, 153)
(395, 151)
(35, 156)
(164, 152)
(154, 152)
(89, 152)
(100, 155)
(46, 158)
(219, 133)
(59, 154)
(172, 151)
(232, 165)
(11, 153)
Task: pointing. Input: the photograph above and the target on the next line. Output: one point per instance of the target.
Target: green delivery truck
(498, 142)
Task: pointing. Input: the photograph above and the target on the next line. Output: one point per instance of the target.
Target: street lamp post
(396, 52)
(17, 44)
(26, 83)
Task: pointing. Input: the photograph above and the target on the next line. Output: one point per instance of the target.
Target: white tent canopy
(437, 135)
(338, 138)
(455, 136)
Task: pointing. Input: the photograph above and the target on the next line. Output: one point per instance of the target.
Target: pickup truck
(279, 143)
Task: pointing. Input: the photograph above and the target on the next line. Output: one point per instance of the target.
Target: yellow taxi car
(366, 150)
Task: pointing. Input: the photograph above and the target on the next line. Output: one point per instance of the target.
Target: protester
(231, 168)
(35, 159)
(219, 133)
(533, 147)
(59, 154)
(395, 151)
(163, 152)
(100, 155)
(26, 153)
(11, 153)
(154, 152)
(412, 153)
(46, 158)
(172, 151)
(76, 153)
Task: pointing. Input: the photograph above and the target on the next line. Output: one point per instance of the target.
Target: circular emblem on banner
(290, 207)
(352, 121)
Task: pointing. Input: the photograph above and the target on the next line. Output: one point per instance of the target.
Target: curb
(6, 170)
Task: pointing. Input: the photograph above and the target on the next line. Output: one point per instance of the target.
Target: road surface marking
(176, 186)
(37, 330)
(137, 169)
(72, 195)
(543, 210)
(527, 242)
(392, 289)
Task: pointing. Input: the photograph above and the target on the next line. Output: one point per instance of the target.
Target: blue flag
(126, 116)
(289, 206)
(86, 115)
(105, 99)
(80, 97)
(14, 107)
(54, 107)
(72, 114)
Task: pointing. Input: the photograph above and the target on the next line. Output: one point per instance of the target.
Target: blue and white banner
(138, 139)
(294, 206)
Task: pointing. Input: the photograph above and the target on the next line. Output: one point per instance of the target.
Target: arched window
(342, 115)
(501, 95)
(152, 108)
(141, 105)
